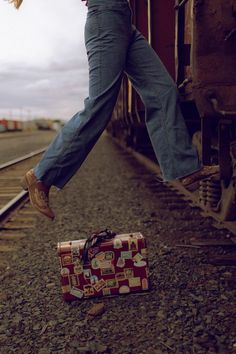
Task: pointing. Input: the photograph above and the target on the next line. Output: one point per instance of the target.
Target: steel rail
(22, 158)
(12, 204)
(20, 197)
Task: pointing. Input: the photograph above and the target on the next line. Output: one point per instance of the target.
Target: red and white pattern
(116, 266)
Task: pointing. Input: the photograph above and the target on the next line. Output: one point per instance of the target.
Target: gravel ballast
(190, 307)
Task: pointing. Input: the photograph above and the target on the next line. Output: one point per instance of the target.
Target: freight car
(196, 40)
(10, 125)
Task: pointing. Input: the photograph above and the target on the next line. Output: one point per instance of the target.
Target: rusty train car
(9, 125)
(196, 40)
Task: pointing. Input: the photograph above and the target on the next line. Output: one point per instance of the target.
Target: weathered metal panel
(140, 18)
(213, 54)
(188, 41)
(163, 31)
(155, 19)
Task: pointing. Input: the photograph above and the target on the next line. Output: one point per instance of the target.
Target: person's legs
(166, 127)
(107, 36)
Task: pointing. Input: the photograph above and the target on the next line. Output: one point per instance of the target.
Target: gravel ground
(190, 307)
(13, 145)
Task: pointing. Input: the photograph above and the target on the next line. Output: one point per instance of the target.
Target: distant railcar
(2, 128)
(19, 125)
(10, 125)
(3, 125)
(196, 40)
(29, 125)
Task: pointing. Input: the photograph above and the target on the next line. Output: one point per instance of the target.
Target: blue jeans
(114, 47)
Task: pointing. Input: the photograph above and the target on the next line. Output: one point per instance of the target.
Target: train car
(29, 125)
(9, 125)
(3, 125)
(19, 125)
(2, 128)
(196, 40)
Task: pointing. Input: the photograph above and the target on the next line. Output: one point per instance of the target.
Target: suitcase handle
(95, 239)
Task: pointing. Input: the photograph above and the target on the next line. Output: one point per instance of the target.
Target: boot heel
(23, 183)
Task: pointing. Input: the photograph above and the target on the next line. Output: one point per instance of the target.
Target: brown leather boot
(204, 172)
(38, 193)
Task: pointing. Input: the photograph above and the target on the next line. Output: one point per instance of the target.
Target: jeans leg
(165, 124)
(107, 36)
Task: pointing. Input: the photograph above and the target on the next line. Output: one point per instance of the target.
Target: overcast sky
(43, 64)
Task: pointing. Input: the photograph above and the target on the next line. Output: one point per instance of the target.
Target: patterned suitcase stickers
(116, 266)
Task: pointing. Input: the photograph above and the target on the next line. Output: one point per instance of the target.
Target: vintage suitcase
(104, 264)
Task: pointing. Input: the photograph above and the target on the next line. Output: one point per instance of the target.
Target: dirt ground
(190, 307)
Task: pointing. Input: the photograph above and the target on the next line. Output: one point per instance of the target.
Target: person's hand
(86, 2)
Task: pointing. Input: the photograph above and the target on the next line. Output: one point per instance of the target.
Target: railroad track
(17, 215)
(15, 211)
(190, 196)
(175, 196)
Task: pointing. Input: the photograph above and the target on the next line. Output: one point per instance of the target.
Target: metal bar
(206, 139)
(185, 83)
(179, 46)
(12, 204)
(178, 6)
(230, 34)
(22, 158)
(224, 151)
(149, 23)
(215, 105)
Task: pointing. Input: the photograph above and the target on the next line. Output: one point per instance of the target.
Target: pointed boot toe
(38, 193)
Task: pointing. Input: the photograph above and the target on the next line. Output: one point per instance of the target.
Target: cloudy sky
(43, 64)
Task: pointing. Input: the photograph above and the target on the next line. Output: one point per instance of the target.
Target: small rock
(43, 351)
(96, 310)
(37, 327)
(198, 330)
(50, 285)
(104, 318)
(17, 319)
(51, 323)
(208, 319)
(76, 344)
(223, 297)
(97, 347)
(221, 314)
(3, 297)
(80, 324)
(179, 313)
(43, 329)
(161, 314)
(227, 274)
(3, 337)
